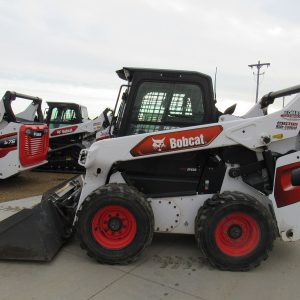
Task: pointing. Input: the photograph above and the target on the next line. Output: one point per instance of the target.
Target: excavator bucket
(35, 229)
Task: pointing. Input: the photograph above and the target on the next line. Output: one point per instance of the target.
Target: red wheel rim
(114, 227)
(237, 234)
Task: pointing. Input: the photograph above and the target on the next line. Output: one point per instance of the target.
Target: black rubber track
(116, 194)
(209, 215)
(64, 161)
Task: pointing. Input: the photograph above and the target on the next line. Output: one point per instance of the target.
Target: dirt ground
(29, 183)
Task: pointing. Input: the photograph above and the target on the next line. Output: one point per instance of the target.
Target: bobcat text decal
(172, 141)
(64, 130)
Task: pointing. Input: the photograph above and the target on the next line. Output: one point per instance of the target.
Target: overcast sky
(69, 50)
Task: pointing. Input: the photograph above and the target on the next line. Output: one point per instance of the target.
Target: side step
(37, 233)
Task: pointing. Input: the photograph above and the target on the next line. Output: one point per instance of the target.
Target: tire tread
(123, 190)
(220, 201)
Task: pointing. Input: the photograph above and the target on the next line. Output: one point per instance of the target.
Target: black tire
(234, 231)
(125, 209)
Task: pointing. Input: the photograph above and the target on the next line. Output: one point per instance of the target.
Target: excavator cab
(156, 100)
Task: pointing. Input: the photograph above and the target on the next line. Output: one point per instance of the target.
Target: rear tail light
(287, 185)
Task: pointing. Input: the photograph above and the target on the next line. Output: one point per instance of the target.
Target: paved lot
(170, 269)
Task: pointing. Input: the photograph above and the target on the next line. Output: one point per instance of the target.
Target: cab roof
(127, 73)
(64, 104)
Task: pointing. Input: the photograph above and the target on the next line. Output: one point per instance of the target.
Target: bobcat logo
(158, 145)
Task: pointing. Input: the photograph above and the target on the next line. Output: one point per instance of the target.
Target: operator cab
(61, 114)
(156, 100)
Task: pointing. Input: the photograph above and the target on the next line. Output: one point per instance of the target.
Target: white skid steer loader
(71, 130)
(233, 183)
(24, 138)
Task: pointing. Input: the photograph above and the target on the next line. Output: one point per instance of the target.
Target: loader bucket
(36, 231)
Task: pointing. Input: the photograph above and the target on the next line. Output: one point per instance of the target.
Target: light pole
(258, 66)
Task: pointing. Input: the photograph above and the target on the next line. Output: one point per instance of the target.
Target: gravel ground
(29, 184)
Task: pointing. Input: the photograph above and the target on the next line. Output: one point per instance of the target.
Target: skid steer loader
(24, 138)
(71, 130)
(176, 165)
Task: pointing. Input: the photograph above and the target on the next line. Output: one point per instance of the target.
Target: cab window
(61, 116)
(162, 106)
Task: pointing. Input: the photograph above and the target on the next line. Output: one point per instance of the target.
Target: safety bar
(10, 95)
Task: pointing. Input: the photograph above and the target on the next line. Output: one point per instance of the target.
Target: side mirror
(230, 110)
